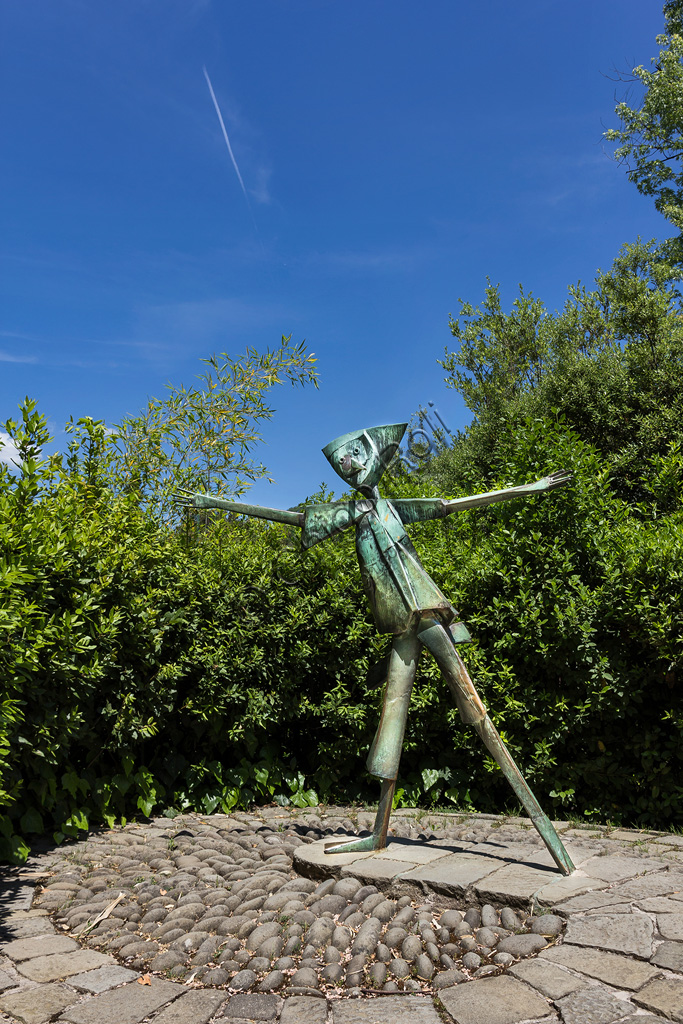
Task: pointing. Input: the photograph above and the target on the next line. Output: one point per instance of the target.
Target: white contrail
(225, 135)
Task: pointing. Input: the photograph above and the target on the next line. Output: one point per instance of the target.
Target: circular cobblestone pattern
(216, 902)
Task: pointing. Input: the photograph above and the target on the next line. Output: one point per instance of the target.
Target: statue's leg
(385, 753)
(436, 638)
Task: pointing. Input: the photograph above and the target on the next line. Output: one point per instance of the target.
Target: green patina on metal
(406, 603)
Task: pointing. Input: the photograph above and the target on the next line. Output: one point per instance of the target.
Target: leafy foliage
(649, 141)
(149, 671)
(610, 362)
(144, 669)
(202, 437)
(575, 604)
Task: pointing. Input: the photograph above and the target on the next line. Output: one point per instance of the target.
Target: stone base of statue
(462, 873)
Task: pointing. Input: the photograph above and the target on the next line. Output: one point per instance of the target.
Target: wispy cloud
(8, 453)
(20, 336)
(157, 332)
(259, 189)
(205, 321)
(12, 357)
(392, 259)
(565, 180)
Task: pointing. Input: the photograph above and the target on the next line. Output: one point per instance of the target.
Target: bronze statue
(406, 603)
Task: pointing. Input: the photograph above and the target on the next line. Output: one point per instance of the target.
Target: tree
(673, 16)
(202, 437)
(610, 363)
(650, 139)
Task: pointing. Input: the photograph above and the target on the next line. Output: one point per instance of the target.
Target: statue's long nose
(348, 463)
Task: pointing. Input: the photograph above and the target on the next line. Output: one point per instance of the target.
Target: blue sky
(394, 155)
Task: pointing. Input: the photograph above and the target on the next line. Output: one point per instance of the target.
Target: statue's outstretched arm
(194, 499)
(546, 483)
(414, 510)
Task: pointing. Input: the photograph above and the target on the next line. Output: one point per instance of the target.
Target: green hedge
(146, 671)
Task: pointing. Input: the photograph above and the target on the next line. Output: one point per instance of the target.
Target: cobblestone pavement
(242, 917)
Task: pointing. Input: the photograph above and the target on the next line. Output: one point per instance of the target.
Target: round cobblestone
(272, 981)
(399, 968)
(333, 974)
(548, 924)
(471, 961)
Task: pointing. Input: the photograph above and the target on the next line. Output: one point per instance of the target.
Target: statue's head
(361, 457)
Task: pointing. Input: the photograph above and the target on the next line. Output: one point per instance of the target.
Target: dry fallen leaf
(145, 980)
(163, 892)
(101, 917)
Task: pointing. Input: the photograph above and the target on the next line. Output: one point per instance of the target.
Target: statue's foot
(361, 845)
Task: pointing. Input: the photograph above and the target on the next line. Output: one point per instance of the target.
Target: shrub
(149, 670)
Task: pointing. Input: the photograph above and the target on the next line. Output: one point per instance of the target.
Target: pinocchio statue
(406, 603)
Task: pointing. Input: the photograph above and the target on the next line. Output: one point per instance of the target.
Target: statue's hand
(557, 479)
(191, 499)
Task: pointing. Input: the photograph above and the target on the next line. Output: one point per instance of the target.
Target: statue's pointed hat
(383, 440)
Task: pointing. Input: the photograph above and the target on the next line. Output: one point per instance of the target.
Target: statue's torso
(399, 590)
(397, 586)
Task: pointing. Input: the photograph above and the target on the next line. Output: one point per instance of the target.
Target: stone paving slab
(593, 1005)
(386, 1010)
(6, 981)
(620, 933)
(665, 996)
(502, 1000)
(502, 852)
(671, 926)
(22, 915)
(670, 956)
(415, 853)
(253, 1006)
(641, 1017)
(566, 886)
(304, 1010)
(322, 865)
(25, 928)
(514, 884)
(620, 868)
(579, 853)
(546, 978)
(660, 905)
(103, 978)
(15, 895)
(594, 900)
(381, 872)
(194, 1007)
(127, 1005)
(36, 1005)
(670, 840)
(38, 945)
(662, 883)
(634, 836)
(61, 965)
(452, 875)
(613, 969)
